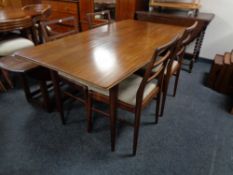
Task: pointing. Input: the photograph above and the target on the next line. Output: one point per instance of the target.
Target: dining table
(103, 56)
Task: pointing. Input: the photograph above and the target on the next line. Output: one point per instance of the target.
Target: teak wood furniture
(203, 20)
(23, 19)
(136, 92)
(24, 69)
(184, 40)
(76, 8)
(70, 25)
(13, 19)
(221, 73)
(103, 56)
(174, 4)
(125, 9)
(98, 19)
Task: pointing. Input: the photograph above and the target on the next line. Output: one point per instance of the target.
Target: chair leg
(89, 112)
(176, 82)
(6, 76)
(157, 108)
(45, 95)
(58, 96)
(2, 87)
(136, 130)
(25, 86)
(113, 114)
(164, 96)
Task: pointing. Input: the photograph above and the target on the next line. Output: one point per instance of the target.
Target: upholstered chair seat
(9, 46)
(127, 88)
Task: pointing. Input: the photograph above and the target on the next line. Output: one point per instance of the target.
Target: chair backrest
(69, 26)
(161, 60)
(98, 19)
(184, 40)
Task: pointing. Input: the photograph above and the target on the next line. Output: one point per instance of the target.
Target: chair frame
(149, 75)
(40, 12)
(50, 35)
(184, 40)
(91, 19)
(25, 26)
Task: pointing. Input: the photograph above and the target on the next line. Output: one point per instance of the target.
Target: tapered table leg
(113, 113)
(57, 91)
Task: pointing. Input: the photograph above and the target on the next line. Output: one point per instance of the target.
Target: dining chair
(50, 33)
(98, 19)
(176, 66)
(136, 92)
(39, 12)
(12, 43)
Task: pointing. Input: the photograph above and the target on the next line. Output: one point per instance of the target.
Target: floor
(194, 137)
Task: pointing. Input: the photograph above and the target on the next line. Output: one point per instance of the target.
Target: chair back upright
(161, 61)
(98, 19)
(69, 26)
(185, 39)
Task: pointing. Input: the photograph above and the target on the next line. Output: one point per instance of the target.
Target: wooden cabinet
(62, 9)
(65, 8)
(125, 9)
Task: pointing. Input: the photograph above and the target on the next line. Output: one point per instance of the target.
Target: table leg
(113, 113)
(197, 49)
(57, 92)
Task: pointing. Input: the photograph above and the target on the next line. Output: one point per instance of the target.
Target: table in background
(17, 19)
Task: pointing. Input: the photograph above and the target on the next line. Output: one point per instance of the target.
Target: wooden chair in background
(40, 12)
(70, 27)
(136, 92)
(98, 19)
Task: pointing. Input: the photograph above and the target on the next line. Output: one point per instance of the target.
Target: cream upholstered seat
(127, 88)
(9, 46)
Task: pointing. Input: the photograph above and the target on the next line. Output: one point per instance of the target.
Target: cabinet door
(125, 9)
(86, 6)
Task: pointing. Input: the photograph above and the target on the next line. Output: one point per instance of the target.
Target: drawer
(67, 7)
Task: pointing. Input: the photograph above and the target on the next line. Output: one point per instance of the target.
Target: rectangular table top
(105, 55)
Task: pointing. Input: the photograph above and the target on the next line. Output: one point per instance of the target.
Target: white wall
(219, 34)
